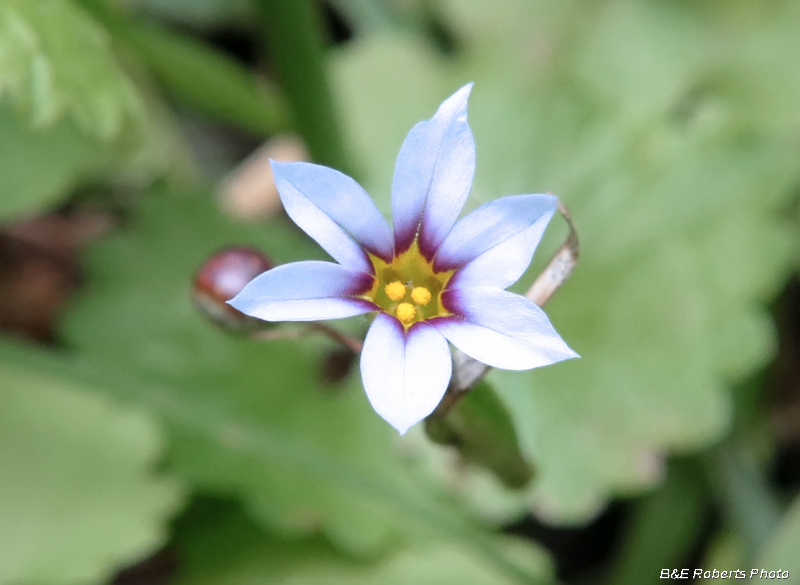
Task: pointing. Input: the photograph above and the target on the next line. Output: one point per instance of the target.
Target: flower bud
(222, 277)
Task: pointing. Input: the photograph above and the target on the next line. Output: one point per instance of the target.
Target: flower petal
(500, 329)
(495, 243)
(334, 210)
(305, 291)
(405, 373)
(433, 175)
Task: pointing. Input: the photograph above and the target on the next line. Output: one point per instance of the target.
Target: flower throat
(408, 288)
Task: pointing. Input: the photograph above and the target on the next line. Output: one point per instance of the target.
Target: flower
(433, 280)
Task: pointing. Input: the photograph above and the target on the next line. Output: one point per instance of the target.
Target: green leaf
(746, 501)
(480, 427)
(723, 552)
(677, 197)
(78, 497)
(55, 60)
(196, 74)
(199, 13)
(781, 551)
(206, 80)
(224, 548)
(40, 167)
(664, 527)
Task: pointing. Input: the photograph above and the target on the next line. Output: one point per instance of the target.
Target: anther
(395, 290)
(421, 295)
(406, 312)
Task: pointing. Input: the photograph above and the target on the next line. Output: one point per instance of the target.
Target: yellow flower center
(408, 288)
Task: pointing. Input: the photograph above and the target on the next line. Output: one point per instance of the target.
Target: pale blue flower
(432, 281)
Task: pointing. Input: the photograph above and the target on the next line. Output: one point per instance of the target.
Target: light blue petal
(405, 374)
(331, 208)
(305, 291)
(495, 243)
(501, 329)
(433, 175)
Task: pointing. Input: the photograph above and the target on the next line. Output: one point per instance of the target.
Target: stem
(664, 527)
(293, 35)
(348, 342)
(746, 498)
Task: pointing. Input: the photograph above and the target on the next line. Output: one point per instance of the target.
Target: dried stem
(348, 342)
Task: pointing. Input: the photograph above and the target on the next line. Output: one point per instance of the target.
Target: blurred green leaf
(38, 168)
(370, 16)
(677, 197)
(55, 60)
(781, 551)
(78, 497)
(196, 74)
(138, 318)
(745, 499)
(481, 428)
(200, 13)
(664, 528)
(723, 552)
(228, 549)
(208, 81)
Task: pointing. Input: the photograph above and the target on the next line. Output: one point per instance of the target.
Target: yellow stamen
(421, 295)
(395, 290)
(406, 312)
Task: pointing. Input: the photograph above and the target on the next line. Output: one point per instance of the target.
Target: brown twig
(348, 342)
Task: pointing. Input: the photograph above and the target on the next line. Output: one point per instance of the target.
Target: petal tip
(247, 307)
(465, 89)
(566, 353)
(459, 99)
(402, 429)
(404, 376)
(286, 170)
(551, 199)
(401, 421)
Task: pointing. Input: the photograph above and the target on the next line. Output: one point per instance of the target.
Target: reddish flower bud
(221, 278)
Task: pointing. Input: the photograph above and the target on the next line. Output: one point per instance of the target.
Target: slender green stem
(664, 527)
(295, 42)
(748, 503)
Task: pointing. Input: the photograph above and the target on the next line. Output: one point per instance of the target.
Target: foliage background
(139, 443)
